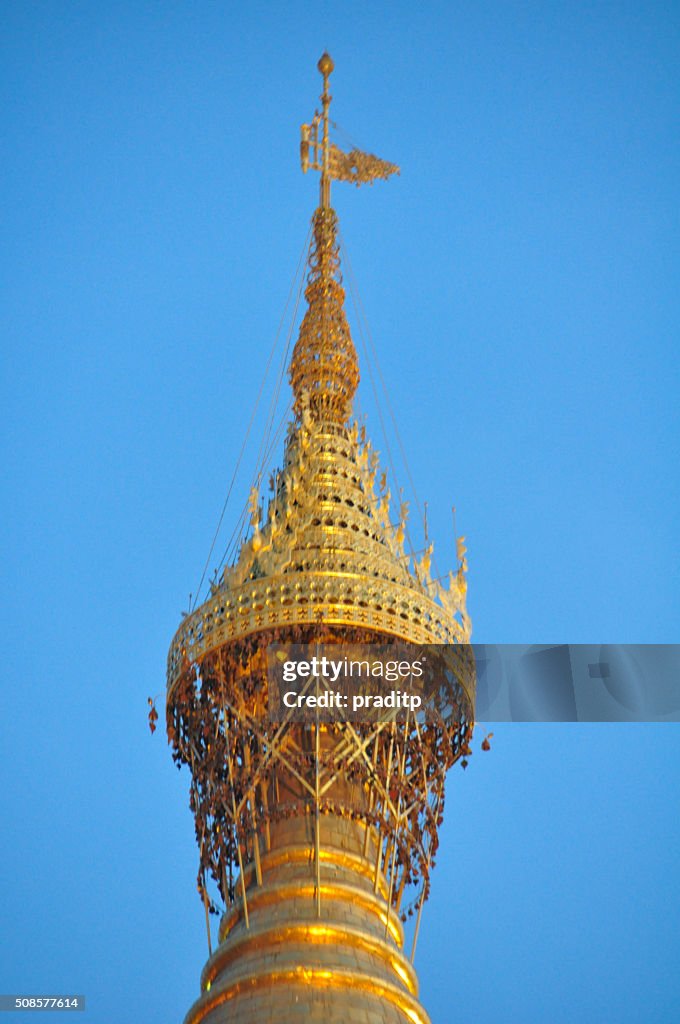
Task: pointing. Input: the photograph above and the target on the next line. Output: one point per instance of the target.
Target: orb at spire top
(325, 64)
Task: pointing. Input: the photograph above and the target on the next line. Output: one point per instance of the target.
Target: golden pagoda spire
(324, 371)
(317, 840)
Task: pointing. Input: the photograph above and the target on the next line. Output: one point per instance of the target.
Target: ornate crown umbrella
(314, 834)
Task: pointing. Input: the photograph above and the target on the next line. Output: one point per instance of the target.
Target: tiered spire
(315, 835)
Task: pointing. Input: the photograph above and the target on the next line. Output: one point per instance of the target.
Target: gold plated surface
(318, 840)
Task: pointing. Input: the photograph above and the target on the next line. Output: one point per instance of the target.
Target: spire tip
(325, 64)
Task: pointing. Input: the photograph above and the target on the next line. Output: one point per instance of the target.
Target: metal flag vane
(320, 154)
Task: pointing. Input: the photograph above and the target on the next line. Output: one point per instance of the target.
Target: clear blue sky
(521, 283)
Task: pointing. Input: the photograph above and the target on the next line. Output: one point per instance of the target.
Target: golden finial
(326, 65)
(323, 155)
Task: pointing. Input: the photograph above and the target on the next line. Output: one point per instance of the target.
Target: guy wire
(361, 315)
(356, 302)
(305, 249)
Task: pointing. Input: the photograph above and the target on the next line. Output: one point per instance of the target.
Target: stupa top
(324, 372)
(328, 546)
